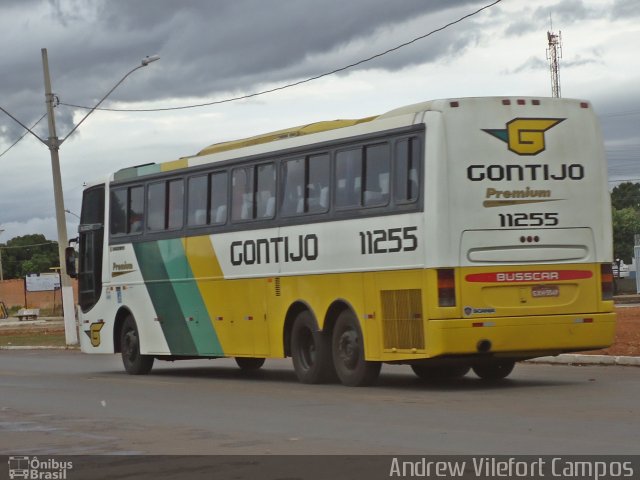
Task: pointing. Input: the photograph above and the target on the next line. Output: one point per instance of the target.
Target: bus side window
(218, 209)
(197, 200)
(156, 200)
(118, 221)
(348, 177)
(136, 209)
(266, 191)
(242, 194)
(318, 186)
(407, 174)
(377, 165)
(293, 188)
(175, 204)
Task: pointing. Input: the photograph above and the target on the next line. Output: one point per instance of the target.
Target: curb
(574, 359)
(37, 347)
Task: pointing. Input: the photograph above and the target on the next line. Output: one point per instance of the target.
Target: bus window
(136, 209)
(318, 186)
(348, 178)
(156, 199)
(370, 165)
(197, 200)
(119, 211)
(266, 191)
(242, 193)
(127, 210)
(377, 164)
(406, 163)
(218, 209)
(293, 172)
(175, 190)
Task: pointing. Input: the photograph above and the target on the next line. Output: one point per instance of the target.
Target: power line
(28, 246)
(623, 180)
(24, 134)
(293, 84)
(620, 114)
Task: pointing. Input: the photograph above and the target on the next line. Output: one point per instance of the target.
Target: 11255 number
(391, 240)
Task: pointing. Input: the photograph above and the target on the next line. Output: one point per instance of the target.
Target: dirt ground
(627, 332)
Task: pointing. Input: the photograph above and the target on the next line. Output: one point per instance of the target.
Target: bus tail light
(606, 281)
(446, 287)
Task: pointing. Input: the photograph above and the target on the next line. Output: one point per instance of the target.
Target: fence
(14, 294)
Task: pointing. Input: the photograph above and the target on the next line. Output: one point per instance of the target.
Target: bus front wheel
(496, 370)
(134, 362)
(348, 353)
(310, 351)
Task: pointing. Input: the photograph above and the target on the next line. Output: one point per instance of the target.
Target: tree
(626, 223)
(28, 254)
(626, 195)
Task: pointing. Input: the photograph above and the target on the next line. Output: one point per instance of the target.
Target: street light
(71, 335)
(53, 142)
(70, 213)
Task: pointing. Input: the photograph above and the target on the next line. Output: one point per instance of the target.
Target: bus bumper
(513, 337)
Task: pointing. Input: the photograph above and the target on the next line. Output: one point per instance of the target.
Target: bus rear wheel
(310, 351)
(496, 370)
(249, 363)
(134, 362)
(348, 353)
(431, 372)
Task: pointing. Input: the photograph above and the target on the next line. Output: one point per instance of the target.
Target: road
(65, 402)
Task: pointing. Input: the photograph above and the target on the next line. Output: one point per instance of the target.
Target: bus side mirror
(71, 259)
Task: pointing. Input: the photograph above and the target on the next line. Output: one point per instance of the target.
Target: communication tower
(554, 54)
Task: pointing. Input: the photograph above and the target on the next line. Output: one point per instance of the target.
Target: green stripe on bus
(189, 297)
(164, 299)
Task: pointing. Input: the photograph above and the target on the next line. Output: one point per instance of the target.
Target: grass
(33, 339)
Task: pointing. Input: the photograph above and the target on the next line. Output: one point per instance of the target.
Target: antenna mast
(554, 54)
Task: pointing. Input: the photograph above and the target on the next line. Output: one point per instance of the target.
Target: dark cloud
(625, 9)
(207, 47)
(555, 17)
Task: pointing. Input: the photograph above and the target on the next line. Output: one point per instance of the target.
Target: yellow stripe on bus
(235, 307)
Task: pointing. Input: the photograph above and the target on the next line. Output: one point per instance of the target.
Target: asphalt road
(65, 402)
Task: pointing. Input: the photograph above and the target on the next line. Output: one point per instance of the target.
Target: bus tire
(430, 372)
(496, 370)
(348, 353)
(310, 351)
(134, 363)
(249, 363)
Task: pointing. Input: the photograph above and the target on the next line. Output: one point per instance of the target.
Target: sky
(212, 50)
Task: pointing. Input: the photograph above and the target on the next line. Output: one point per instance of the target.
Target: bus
(447, 235)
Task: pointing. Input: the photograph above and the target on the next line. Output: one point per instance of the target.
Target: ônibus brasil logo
(525, 136)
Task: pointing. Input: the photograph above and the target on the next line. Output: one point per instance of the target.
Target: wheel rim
(349, 349)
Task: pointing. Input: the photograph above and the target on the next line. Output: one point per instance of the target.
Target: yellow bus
(447, 235)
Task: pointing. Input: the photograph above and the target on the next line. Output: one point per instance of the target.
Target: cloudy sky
(213, 50)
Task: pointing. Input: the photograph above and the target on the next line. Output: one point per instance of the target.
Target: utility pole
(554, 54)
(1, 272)
(70, 331)
(53, 143)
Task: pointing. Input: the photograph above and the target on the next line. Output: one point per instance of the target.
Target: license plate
(545, 291)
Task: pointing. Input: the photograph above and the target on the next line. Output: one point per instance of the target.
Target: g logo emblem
(94, 333)
(525, 136)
